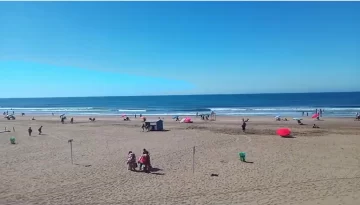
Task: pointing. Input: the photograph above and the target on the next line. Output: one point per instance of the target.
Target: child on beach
(131, 161)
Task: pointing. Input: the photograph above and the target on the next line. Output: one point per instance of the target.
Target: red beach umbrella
(315, 115)
(284, 132)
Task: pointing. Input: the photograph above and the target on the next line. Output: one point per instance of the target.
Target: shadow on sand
(289, 137)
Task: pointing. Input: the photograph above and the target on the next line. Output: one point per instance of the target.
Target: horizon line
(183, 95)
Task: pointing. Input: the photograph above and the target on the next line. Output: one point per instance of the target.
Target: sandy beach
(317, 166)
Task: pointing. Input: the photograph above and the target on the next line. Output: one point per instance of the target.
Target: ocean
(334, 105)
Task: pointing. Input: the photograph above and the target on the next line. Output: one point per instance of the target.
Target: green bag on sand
(12, 140)
(242, 156)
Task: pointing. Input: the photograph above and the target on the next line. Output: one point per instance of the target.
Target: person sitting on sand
(29, 131)
(285, 119)
(40, 130)
(299, 122)
(315, 126)
(33, 118)
(131, 161)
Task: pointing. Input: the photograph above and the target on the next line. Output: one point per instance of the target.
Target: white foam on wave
(298, 109)
(55, 109)
(132, 110)
(228, 109)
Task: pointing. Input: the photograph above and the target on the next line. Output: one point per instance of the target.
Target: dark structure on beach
(155, 126)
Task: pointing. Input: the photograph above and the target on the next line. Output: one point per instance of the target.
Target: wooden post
(193, 168)
(70, 141)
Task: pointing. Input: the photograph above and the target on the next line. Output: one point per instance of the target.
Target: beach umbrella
(295, 118)
(315, 115)
(284, 132)
(175, 117)
(278, 116)
(123, 115)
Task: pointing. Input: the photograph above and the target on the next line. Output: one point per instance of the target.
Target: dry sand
(318, 166)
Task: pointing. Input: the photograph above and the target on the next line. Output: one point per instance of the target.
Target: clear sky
(152, 48)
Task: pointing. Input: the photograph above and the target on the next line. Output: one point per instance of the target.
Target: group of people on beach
(317, 111)
(143, 161)
(7, 113)
(40, 130)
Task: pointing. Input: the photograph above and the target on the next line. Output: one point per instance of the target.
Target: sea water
(333, 104)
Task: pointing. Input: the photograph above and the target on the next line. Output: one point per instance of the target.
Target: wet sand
(317, 166)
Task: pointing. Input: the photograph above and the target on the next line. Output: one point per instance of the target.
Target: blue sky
(52, 49)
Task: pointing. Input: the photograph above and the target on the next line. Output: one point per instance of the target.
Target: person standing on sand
(243, 126)
(307, 114)
(30, 131)
(146, 161)
(40, 130)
